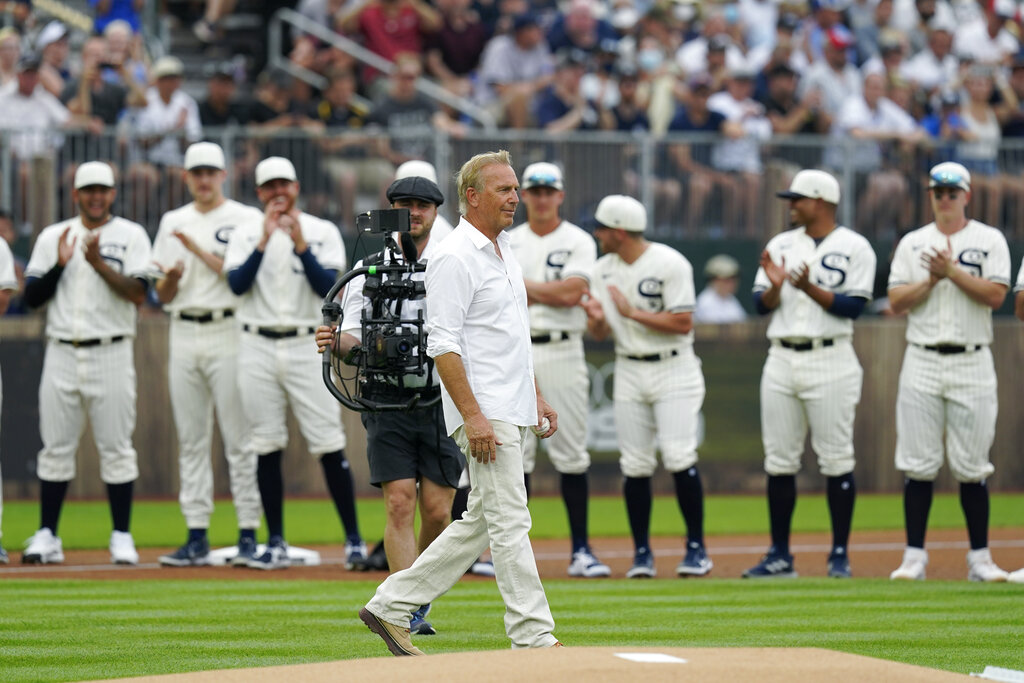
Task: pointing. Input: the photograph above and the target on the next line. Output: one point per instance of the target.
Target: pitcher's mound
(629, 664)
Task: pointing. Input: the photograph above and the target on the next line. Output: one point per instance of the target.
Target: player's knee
(836, 467)
(637, 470)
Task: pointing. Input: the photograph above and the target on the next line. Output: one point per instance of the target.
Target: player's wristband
(846, 306)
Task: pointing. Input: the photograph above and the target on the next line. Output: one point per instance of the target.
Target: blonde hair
(469, 174)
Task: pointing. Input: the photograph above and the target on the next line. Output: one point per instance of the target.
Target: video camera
(392, 370)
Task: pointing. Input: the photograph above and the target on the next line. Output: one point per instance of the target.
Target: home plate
(299, 556)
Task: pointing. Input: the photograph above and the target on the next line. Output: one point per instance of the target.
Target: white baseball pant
(819, 389)
(657, 407)
(203, 373)
(561, 371)
(1, 474)
(496, 515)
(949, 398)
(100, 381)
(275, 373)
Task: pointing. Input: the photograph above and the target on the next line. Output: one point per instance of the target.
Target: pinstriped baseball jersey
(84, 306)
(660, 280)
(200, 288)
(1019, 287)
(281, 294)
(843, 263)
(8, 279)
(566, 252)
(947, 315)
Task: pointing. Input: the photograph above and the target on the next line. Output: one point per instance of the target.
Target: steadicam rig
(389, 370)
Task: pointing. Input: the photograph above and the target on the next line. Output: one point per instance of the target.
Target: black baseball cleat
(774, 565)
(839, 565)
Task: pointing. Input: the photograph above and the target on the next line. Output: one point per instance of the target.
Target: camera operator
(405, 448)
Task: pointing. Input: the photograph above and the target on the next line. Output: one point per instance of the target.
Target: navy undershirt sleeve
(759, 303)
(320, 279)
(846, 306)
(241, 278)
(39, 290)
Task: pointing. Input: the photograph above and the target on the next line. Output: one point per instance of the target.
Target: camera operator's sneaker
(246, 551)
(912, 567)
(419, 625)
(122, 548)
(643, 565)
(696, 562)
(839, 564)
(980, 567)
(585, 565)
(482, 568)
(3, 556)
(195, 553)
(774, 565)
(43, 548)
(355, 555)
(274, 557)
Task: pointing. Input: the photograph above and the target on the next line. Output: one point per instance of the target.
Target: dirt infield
(651, 665)
(872, 554)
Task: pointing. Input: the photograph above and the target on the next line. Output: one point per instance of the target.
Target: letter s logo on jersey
(972, 260)
(555, 263)
(114, 255)
(223, 234)
(651, 290)
(833, 270)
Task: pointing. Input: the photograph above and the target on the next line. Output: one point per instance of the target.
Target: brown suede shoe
(395, 637)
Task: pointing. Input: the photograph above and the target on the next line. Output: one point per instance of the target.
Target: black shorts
(412, 445)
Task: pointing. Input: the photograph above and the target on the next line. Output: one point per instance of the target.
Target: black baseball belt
(806, 345)
(549, 337)
(279, 332)
(96, 341)
(654, 357)
(207, 317)
(949, 349)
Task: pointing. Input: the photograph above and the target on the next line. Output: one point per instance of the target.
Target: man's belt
(806, 345)
(557, 335)
(655, 357)
(949, 349)
(207, 317)
(97, 341)
(279, 332)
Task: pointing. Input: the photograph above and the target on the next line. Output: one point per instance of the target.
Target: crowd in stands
(910, 81)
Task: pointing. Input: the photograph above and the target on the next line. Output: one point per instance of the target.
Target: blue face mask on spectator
(649, 59)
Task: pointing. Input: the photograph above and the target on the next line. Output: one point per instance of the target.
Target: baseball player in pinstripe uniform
(642, 292)
(948, 276)
(1018, 310)
(94, 271)
(556, 257)
(815, 280)
(282, 266)
(8, 284)
(188, 255)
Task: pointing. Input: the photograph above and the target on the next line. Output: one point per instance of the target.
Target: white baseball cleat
(980, 567)
(912, 569)
(1016, 577)
(122, 548)
(43, 548)
(585, 565)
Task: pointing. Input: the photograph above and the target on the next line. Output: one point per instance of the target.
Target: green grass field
(58, 630)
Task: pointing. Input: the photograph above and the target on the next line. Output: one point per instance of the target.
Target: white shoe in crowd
(912, 569)
(122, 548)
(43, 548)
(980, 567)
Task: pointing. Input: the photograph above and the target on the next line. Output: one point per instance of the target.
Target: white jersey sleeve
(1019, 287)
(8, 279)
(241, 244)
(352, 302)
(138, 256)
(44, 253)
(678, 291)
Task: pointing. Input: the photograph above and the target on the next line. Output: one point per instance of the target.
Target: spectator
(1012, 118)
(934, 67)
(883, 137)
(788, 114)
(978, 150)
(19, 15)
(717, 303)
(208, 28)
(52, 46)
(834, 76)
(10, 51)
(988, 40)
(90, 95)
(580, 28)
(889, 60)
(107, 11)
(221, 108)
(124, 48)
(758, 19)
(816, 32)
(453, 52)
(34, 113)
(161, 131)
(309, 51)
(390, 28)
(780, 50)
(630, 113)
(741, 156)
(561, 106)
(512, 70)
(870, 34)
(916, 19)
(712, 52)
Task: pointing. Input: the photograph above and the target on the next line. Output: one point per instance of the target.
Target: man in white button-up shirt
(479, 338)
(93, 272)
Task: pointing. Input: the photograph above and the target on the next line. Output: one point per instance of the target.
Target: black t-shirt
(237, 113)
(107, 103)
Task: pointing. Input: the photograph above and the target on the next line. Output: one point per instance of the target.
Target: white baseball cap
(812, 184)
(51, 33)
(949, 174)
(204, 155)
(542, 174)
(168, 66)
(94, 173)
(274, 168)
(721, 266)
(622, 213)
(416, 169)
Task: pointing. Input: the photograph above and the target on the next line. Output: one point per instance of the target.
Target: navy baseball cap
(415, 187)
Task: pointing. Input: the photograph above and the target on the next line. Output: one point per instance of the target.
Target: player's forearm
(598, 329)
(5, 300)
(453, 375)
(560, 293)
(1018, 307)
(211, 261)
(771, 297)
(128, 288)
(984, 292)
(822, 297)
(664, 322)
(166, 289)
(905, 297)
